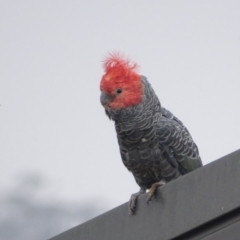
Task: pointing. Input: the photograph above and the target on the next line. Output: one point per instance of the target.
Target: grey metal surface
(212, 227)
(181, 205)
(231, 232)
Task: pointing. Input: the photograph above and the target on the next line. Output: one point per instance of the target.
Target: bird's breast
(146, 157)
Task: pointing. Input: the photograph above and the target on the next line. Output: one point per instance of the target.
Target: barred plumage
(154, 145)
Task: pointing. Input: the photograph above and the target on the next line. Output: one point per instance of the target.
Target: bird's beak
(105, 99)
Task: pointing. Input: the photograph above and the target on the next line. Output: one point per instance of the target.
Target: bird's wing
(179, 147)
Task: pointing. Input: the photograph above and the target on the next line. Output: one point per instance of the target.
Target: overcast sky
(51, 119)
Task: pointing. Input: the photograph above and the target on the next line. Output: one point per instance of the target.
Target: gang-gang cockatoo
(154, 145)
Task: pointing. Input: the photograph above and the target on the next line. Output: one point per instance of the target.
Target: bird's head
(120, 86)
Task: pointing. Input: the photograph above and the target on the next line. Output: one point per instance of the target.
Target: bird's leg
(133, 201)
(153, 189)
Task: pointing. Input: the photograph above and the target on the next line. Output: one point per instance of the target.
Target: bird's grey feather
(154, 144)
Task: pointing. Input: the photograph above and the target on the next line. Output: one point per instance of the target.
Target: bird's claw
(132, 204)
(133, 201)
(152, 190)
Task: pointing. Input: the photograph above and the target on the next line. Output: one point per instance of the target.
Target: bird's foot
(153, 189)
(133, 201)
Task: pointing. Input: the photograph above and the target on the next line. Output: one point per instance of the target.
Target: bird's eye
(119, 90)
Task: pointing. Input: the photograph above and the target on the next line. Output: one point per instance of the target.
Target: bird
(155, 146)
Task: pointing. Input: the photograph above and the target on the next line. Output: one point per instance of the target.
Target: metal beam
(181, 206)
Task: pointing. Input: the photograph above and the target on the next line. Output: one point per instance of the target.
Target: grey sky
(51, 120)
(24, 216)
